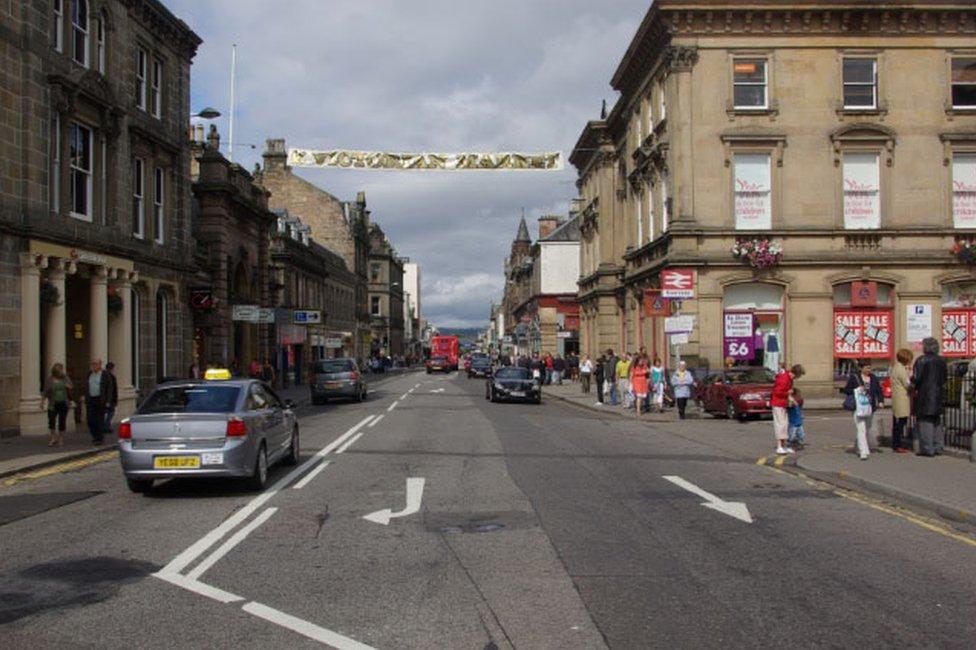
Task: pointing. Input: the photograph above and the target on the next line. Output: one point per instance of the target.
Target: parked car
(739, 392)
(200, 428)
(480, 367)
(339, 377)
(508, 384)
(439, 364)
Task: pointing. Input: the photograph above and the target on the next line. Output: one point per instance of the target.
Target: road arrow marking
(437, 390)
(735, 509)
(415, 491)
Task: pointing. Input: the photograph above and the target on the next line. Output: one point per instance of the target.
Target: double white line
(173, 572)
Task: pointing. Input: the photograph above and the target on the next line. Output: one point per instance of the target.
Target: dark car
(439, 364)
(513, 384)
(737, 393)
(337, 378)
(480, 367)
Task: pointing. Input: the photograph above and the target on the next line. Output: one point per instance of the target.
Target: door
(279, 433)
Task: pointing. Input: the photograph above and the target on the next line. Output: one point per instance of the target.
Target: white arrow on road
(437, 390)
(415, 492)
(735, 509)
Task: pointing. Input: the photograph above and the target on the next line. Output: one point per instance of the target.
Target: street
(537, 527)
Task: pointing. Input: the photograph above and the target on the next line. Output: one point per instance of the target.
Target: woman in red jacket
(780, 401)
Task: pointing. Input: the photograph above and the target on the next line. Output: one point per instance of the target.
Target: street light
(207, 113)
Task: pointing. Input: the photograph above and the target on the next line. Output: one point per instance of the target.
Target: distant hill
(463, 333)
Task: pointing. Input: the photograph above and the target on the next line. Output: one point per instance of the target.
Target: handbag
(862, 403)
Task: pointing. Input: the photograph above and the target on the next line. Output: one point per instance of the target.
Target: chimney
(548, 224)
(275, 156)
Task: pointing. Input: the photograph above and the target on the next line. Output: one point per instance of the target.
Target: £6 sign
(678, 283)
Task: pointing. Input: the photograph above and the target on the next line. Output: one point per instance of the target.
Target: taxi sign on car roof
(214, 374)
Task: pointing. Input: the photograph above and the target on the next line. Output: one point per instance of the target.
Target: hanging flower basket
(114, 303)
(758, 253)
(964, 252)
(50, 296)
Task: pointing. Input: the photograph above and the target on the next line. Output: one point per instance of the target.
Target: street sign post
(307, 317)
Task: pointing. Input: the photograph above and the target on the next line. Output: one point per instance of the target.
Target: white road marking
(415, 493)
(411, 390)
(304, 628)
(417, 386)
(404, 396)
(200, 588)
(437, 390)
(392, 406)
(735, 509)
(231, 542)
(308, 477)
(376, 421)
(341, 439)
(350, 442)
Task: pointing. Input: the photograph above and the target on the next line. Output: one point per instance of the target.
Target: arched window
(162, 326)
(79, 31)
(57, 25)
(100, 43)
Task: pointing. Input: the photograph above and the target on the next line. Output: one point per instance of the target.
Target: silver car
(233, 428)
(337, 378)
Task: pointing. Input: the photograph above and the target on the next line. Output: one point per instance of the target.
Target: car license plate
(212, 459)
(518, 393)
(333, 384)
(176, 462)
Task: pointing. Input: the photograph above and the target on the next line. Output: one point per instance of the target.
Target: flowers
(964, 252)
(758, 253)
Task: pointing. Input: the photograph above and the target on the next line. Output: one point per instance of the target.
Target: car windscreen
(191, 399)
(481, 361)
(750, 376)
(333, 365)
(438, 359)
(513, 373)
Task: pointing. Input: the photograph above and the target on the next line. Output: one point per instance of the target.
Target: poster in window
(862, 197)
(964, 190)
(740, 337)
(863, 334)
(753, 205)
(957, 333)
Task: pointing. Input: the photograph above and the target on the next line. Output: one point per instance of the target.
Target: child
(794, 412)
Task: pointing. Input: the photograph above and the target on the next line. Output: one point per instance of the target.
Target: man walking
(96, 390)
(598, 368)
(558, 369)
(610, 376)
(930, 375)
(111, 396)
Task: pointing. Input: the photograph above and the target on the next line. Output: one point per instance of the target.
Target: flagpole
(233, 71)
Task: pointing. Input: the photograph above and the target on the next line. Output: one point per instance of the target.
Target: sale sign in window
(863, 334)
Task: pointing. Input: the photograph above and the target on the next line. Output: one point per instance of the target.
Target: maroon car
(737, 393)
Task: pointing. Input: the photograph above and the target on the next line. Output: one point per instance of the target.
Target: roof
(523, 232)
(568, 231)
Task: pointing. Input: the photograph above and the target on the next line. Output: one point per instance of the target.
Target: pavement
(24, 454)
(428, 517)
(944, 485)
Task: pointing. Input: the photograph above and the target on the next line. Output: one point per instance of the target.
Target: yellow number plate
(176, 462)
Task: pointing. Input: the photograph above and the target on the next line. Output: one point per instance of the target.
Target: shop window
(863, 326)
(81, 172)
(752, 191)
(142, 73)
(862, 191)
(753, 325)
(57, 25)
(860, 83)
(964, 82)
(964, 190)
(958, 338)
(79, 31)
(749, 84)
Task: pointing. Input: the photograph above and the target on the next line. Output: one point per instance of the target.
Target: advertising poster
(918, 322)
(957, 333)
(740, 337)
(863, 334)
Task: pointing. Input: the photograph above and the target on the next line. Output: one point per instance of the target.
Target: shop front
(958, 334)
(863, 326)
(754, 324)
(292, 343)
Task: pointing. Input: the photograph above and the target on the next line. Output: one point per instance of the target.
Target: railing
(959, 412)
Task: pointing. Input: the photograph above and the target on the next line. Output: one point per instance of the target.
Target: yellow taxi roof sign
(214, 374)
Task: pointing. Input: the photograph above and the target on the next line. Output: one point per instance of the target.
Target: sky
(419, 75)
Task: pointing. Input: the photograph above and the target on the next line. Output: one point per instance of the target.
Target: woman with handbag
(901, 402)
(57, 394)
(863, 397)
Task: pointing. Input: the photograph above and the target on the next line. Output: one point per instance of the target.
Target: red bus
(446, 346)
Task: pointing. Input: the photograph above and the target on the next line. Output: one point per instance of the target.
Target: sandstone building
(386, 295)
(844, 134)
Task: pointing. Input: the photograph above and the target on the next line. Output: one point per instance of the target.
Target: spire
(523, 232)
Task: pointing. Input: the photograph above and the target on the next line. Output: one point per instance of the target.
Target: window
(752, 191)
(103, 183)
(155, 93)
(159, 222)
(162, 347)
(374, 272)
(100, 43)
(749, 83)
(665, 206)
(81, 171)
(964, 82)
(650, 211)
(374, 307)
(640, 218)
(57, 25)
(964, 190)
(862, 201)
(662, 102)
(142, 60)
(136, 340)
(79, 31)
(138, 191)
(56, 163)
(860, 83)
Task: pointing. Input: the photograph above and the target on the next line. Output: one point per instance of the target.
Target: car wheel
(259, 475)
(295, 449)
(139, 485)
(730, 410)
(360, 396)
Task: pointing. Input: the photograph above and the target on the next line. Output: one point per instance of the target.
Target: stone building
(385, 295)
(517, 291)
(339, 226)
(94, 196)
(843, 135)
(232, 226)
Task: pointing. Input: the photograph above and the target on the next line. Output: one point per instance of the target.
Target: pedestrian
(254, 369)
(780, 401)
(657, 384)
(599, 377)
(610, 377)
(623, 380)
(586, 372)
(96, 389)
(558, 369)
(111, 397)
(572, 366)
(550, 367)
(57, 390)
(268, 372)
(639, 373)
(863, 398)
(928, 379)
(797, 437)
(682, 380)
(901, 402)
(194, 371)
